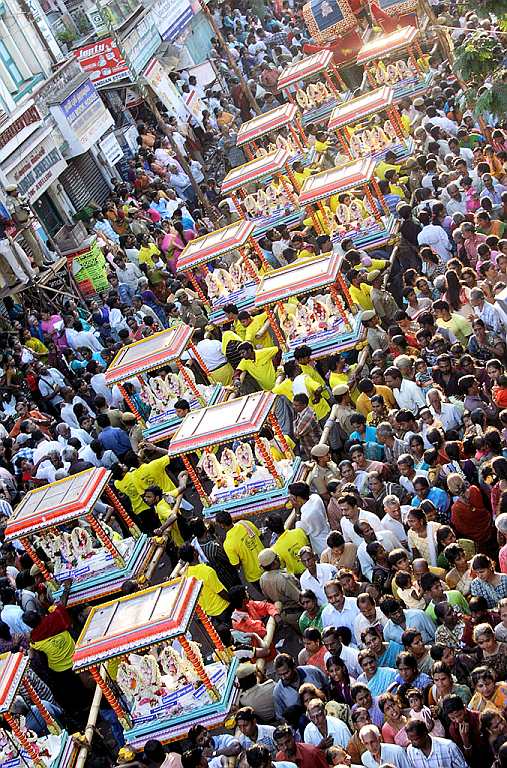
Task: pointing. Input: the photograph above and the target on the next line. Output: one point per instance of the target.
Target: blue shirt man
(399, 620)
(113, 438)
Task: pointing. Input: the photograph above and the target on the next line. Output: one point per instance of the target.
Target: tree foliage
(479, 56)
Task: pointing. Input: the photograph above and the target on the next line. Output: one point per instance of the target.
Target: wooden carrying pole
(223, 45)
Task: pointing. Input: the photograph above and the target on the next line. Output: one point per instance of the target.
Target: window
(10, 64)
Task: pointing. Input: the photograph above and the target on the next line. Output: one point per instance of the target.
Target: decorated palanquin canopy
(232, 420)
(256, 170)
(57, 502)
(260, 125)
(337, 180)
(298, 278)
(214, 244)
(383, 46)
(147, 354)
(396, 8)
(326, 19)
(307, 67)
(130, 623)
(12, 668)
(363, 106)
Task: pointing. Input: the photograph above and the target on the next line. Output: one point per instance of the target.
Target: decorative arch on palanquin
(327, 19)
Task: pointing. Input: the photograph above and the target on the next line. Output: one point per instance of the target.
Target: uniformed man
(21, 216)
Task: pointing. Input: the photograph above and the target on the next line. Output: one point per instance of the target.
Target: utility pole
(151, 99)
(244, 85)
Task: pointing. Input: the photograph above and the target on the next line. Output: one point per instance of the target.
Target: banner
(88, 267)
(166, 91)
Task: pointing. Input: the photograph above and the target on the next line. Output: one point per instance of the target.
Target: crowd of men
(387, 580)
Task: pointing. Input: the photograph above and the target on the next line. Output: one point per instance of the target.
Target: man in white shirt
(466, 154)
(76, 338)
(377, 753)
(386, 538)
(439, 119)
(12, 614)
(340, 611)
(347, 653)
(351, 514)
(95, 454)
(210, 350)
(310, 515)
(128, 278)
(64, 433)
(321, 725)
(485, 311)
(407, 394)
(446, 413)
(457, 202)
(425, 751)
(392, 520)
(369, 615)
(251, 732)
(51, 382)
(316, 574)
(435, 237)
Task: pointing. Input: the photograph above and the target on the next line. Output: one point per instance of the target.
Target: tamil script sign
(86, 115)
(102, 61)
(39, 168)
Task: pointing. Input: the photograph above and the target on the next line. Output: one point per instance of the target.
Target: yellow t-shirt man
(153, 473)
(461, 328)
(363, 402)
(146, 254)
(286, 388)
(131, 487)
(261, 368)
(242, 544)
(321, 408)
(209, 599)
(164, 510)
(382, 167)
(253, 328)
(361, 296)
(287, 547)
(59, 650)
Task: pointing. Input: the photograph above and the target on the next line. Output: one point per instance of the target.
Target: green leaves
(478, 57)
(493, 100)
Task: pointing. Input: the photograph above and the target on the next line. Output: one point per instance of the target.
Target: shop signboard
(39, 168)
(111, 149)
(102, 61)
(82, 118)
(171, 17)
(88, 268)
(141, 43)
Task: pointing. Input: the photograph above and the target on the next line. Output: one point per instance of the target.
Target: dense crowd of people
(387, 580)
